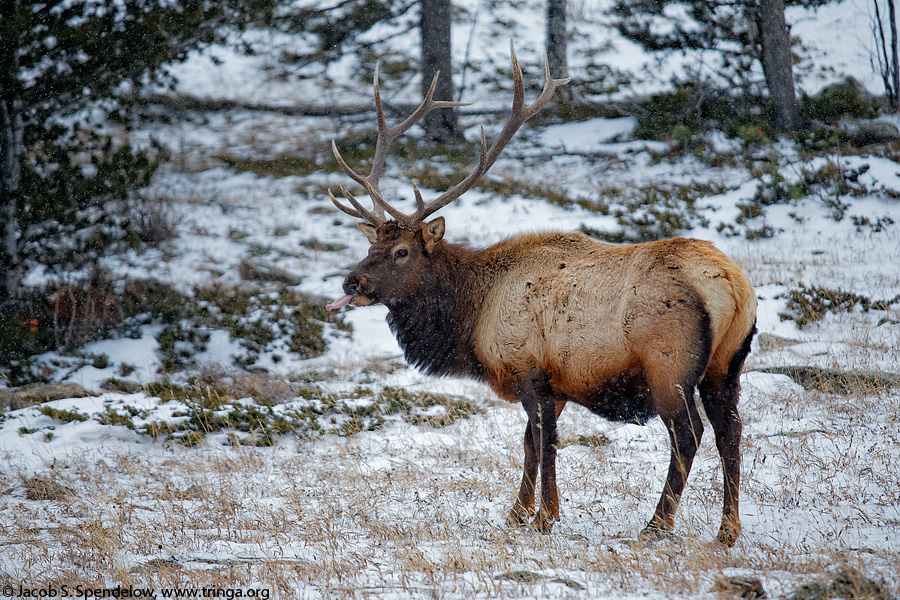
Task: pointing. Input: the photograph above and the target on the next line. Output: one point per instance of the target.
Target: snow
(415, 511)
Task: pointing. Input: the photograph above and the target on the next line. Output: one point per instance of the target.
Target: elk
(627, 331)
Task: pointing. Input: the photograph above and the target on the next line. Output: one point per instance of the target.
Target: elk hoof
(651, 534)
(727, 536)
(543, 524)
(519, 516)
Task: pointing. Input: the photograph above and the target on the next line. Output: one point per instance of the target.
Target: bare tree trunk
(895, 59)
(10, 172)
(778, 65)
(557, 42)
(11, 152)
(885, 62)
(881, 61)
(440, 125)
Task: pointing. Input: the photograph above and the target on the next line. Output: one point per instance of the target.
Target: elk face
(396, 265)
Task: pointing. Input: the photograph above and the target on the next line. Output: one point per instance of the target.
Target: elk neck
(435, 324)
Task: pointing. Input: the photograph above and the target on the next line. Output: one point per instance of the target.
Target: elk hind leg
(719, 394)
(726, 423)
(685, 432)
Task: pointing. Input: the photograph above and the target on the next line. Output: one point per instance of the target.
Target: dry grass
(418, 512)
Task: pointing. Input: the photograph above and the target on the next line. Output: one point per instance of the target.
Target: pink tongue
(339, 303)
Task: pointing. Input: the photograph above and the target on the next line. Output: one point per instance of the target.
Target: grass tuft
(45, 488)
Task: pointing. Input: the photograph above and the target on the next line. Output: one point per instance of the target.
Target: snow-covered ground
(411, 510)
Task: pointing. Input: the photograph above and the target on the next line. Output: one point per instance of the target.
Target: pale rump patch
(339, 303)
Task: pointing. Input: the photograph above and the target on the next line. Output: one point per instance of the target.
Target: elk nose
(352, 285)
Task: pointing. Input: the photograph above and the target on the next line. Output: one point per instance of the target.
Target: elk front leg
(548, 513)
(534, 392)
(523, 508)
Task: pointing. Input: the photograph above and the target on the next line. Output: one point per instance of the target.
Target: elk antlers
(517, 116)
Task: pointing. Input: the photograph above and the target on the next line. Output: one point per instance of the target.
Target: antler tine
(428, 104)
(517, 116)
(345, 167)
(383, 141)
(343, 208)
(360, 212)
(548, 91)
(417, 216)
(375, 217)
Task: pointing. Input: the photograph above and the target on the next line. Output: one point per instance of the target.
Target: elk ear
(432, 234)
(369, 231)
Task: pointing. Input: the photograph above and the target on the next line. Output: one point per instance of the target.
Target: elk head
(395, 265)
(402, 246)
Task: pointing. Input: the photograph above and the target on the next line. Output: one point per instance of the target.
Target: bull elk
(627, 331)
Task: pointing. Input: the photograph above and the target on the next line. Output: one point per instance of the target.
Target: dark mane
(435, 326)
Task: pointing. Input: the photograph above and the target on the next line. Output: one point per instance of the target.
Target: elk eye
(401, 253)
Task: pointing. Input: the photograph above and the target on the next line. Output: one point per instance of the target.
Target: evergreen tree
(68, 71)
(742, 33)
(334, 29)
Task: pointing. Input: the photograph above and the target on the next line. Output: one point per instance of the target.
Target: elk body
(627, 331)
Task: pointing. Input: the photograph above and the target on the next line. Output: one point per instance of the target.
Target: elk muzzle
(356, 292)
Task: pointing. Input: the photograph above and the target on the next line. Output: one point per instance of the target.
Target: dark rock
(121, 386)
(847, 583)
(863, 133)
(768, 342)
(519, 576)
(38, 393)
(740, 586)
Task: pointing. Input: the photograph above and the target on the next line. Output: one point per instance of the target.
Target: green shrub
(656, 212)
(210, 407)
(848, 99)
(65, 416)
(807, 305)
(689, 111)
